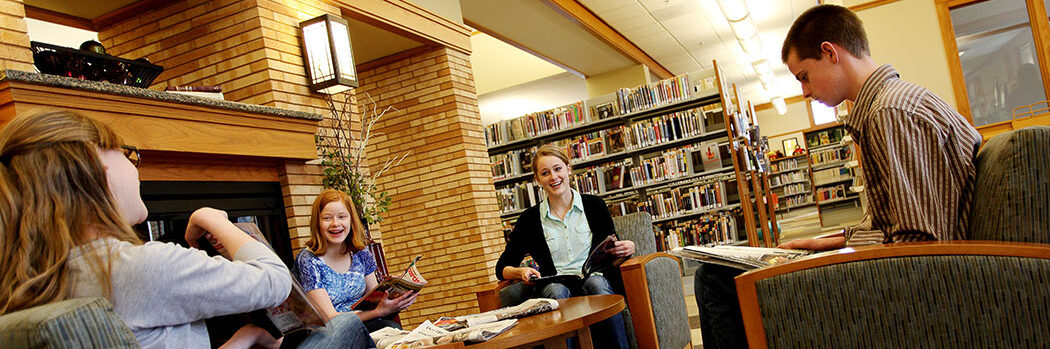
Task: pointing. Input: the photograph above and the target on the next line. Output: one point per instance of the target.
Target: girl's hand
(623, 248)
(526, 273)
(201, 222)
(390, 306)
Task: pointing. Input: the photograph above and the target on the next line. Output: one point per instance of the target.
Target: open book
(295, 314)
(392, 287)
(740, 257)
(600, 259)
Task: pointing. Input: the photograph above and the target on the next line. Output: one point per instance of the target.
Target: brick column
(14, 38)
(444, 206)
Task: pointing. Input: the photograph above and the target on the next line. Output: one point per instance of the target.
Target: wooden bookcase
(831, 173)
(790, 180)
(668, 155)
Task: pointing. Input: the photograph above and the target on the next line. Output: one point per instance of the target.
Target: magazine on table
(392, 287)
(601, 258)
(740, 257)
(295, 314)
(528, 307)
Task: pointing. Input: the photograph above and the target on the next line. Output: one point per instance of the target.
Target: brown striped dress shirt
(917, 155)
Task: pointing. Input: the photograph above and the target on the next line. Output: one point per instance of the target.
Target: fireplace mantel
(181, 137)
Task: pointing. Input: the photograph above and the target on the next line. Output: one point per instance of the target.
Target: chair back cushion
(637, 227)
(664, 278)
(73, 323)
(1012, 195)
(931, 301)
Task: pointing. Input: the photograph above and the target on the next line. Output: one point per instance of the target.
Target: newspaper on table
(740, 257)
(427, 334)
(467, 328)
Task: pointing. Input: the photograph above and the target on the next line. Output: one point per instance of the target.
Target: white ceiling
(681, 35)
(685, 35)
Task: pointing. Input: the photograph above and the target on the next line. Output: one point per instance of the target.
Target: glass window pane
(998, 58)
(822, 114)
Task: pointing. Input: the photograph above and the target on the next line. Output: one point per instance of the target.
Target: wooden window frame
(1037, 18)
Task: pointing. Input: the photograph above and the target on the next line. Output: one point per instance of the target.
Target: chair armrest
(488, 295)
(747, 292)
(636, 290)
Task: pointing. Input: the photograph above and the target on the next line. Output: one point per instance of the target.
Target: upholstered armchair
(73, 323)
(990, 291)
(656, 314)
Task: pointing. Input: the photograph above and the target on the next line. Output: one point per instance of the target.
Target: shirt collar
(577, 203)
(871, 86)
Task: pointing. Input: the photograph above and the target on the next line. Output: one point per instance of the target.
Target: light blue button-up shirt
(569, 238)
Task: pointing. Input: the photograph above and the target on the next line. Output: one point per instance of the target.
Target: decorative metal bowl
(86, 65)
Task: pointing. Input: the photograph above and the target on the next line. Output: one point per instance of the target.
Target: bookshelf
(832, 170)
(662, 148)
(790, 180)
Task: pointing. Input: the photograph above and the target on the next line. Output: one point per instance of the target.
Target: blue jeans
(609, 333)
(343, 331)
(721, 324)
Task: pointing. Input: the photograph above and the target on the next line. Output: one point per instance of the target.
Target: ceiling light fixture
(733, 10)
(780, 105)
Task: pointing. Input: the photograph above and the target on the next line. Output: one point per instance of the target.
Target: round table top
(572, 314)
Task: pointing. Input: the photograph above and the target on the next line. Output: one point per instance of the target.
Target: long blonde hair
(317, 243)
(53, 188)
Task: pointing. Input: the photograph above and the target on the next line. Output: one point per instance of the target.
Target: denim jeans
(721, 324)
(609, 333)
(343, 331)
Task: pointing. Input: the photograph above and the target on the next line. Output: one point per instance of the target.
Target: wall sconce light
(328, 55)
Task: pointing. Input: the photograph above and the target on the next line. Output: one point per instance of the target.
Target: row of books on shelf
(648, 96)
(788, 177)
(535, 124)
(792, 164)
(600, 179)
(687, 199)
(831, 193)
(831, 175)
(518, 196)
(714, 229)
(825, 156)
(512, 163)
(671, 127)
(798, 188)
(794, 201)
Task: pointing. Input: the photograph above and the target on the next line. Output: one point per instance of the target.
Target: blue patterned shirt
(343, 288)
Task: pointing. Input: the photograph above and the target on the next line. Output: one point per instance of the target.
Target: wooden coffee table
(573, 318)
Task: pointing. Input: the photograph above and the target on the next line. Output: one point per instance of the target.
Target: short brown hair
(548, 150)
(317, 243)
(831, 23)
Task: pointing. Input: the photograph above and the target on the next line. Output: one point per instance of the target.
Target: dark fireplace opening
(171, 203)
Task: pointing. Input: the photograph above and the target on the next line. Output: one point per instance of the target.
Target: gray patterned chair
(73, 323)
(987, 293)
(656, 315)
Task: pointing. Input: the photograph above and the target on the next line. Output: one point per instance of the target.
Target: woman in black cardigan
(559, 234)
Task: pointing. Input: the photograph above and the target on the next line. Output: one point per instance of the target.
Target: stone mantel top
(109, 88)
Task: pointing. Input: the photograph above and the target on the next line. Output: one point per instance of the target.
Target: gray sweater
(164, 291)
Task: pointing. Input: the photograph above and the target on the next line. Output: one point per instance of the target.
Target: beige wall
(606, 83)
(907, 35)
(796, 118)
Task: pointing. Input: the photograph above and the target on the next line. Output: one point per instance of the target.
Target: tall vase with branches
(343, 154)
